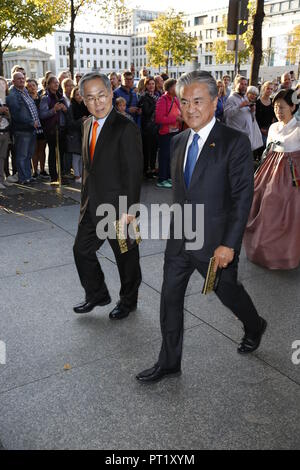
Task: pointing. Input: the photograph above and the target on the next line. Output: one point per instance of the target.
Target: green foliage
(27, 19)
(293, 50)
(169, 41)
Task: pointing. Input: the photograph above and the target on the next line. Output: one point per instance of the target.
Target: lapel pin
(212, 144)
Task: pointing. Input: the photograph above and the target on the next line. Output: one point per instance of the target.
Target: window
(100, 40)
(88, 64)
(94, 51)
(208, 33)
(94, 40)
(87, 39)
(88, 50)
(107, 64)
(212, 19)
(95, 64)
(145, 62)
(101, 64)
(113, 52)
(113, 64)
(113, 41)
(81, 50)
(101, 51)
(61, 63)
(107, 51)
(125, 64)
(125, 42)
(60, 38)
(119, 42)
(125, 53)
(141, 51)
(82, 63)
(60, 50)
(216, 19)
(120, 64)
(107, 41)
(80, 39)
(75, 63)
(67, 38)
(119, 52)
(136, 51)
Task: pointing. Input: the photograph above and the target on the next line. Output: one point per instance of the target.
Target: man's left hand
(224, 257)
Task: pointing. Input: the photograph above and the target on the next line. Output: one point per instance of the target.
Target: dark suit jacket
(222, 180)
(117, 166)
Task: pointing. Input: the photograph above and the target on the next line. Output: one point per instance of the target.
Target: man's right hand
(244, 103)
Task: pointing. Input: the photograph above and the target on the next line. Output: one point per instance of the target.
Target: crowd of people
(35, 116)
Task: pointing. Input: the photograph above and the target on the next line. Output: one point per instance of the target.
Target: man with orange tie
(112, 167)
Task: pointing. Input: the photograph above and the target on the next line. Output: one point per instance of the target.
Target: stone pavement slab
(42, 333)
(221, 401)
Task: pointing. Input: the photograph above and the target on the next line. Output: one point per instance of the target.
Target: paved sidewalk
(221, 401)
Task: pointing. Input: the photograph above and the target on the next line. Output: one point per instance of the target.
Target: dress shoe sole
(254, 349)
(99, 304)
(152, 381)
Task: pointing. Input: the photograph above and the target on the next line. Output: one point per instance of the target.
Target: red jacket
(164, 116)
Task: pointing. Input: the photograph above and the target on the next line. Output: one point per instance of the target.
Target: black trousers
(150, 145)
(51, 140)
(177, 272)
(89, 269)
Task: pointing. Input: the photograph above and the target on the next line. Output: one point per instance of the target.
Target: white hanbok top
(287, 134)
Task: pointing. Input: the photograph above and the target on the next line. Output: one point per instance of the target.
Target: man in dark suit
(211, 165)
(113, 167)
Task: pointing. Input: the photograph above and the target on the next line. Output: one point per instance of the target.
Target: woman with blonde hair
(264, 110)
(222, 97)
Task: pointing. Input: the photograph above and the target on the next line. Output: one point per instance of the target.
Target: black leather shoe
(88, 305)
(120, 311)
(156, 373)
(251, 342)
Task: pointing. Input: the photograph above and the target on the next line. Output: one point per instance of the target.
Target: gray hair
(253, 89)
(91, 76)
(198, 77)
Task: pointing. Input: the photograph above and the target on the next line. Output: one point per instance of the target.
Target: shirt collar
(101, 121)
(205, 131)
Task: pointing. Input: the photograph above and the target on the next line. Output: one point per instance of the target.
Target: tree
(26, 19)
(73, 8)
(293, 50)
(256, 42)
(224, 56)
(169, 41)
(252, 39)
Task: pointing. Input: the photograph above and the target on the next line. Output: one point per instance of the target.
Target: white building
(93, 51)
(126, 23)
(35, 62)
(116, 52)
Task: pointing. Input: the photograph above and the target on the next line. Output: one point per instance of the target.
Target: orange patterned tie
(94, 139)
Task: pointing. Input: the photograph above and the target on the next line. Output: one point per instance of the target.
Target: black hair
(287, 96)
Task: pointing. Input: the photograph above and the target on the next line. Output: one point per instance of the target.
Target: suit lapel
(86, 138)
(207, 152)
(181, 152)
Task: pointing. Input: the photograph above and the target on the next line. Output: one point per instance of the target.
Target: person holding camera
(53, 111)
(239, 111)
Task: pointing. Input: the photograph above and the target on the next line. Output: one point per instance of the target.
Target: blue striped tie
(191, 160)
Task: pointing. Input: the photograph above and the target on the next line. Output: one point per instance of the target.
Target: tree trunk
(257, 42)
(72, 40)
(1, 63)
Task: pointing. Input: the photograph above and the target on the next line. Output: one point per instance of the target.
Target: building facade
(125, 47)
(35, 62)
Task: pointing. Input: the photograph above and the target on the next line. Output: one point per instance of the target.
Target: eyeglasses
(94, 99)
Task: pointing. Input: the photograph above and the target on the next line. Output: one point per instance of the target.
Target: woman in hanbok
(272, 236)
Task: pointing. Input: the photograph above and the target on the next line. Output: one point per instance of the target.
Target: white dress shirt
(101, 122)
(287, 134)
(203, 133)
